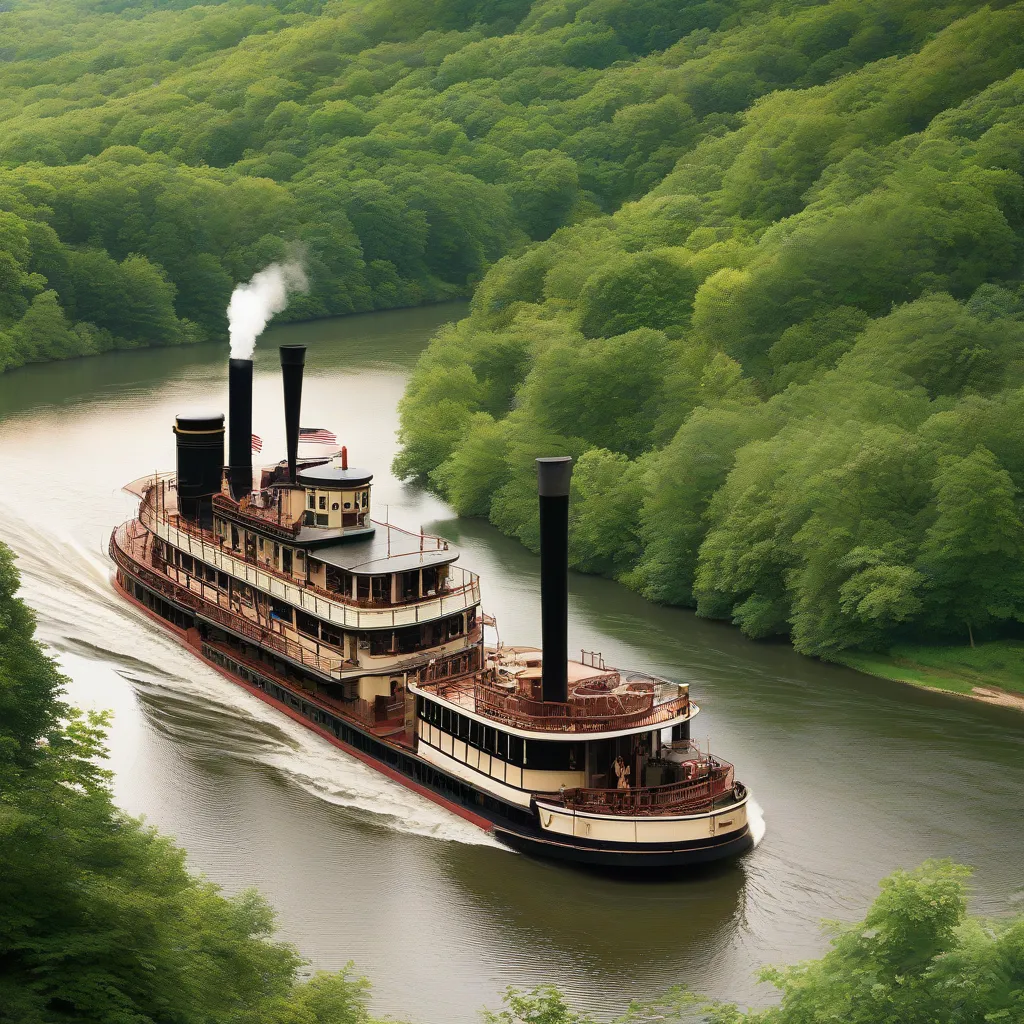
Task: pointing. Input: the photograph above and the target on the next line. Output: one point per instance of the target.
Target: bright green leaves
(650, 289)
(973, 549)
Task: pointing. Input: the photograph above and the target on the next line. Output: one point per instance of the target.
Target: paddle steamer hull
(539, 830)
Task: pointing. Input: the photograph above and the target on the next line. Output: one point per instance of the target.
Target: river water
(855, 776)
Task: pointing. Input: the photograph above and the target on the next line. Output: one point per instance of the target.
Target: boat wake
(755, 819)
(79, 614)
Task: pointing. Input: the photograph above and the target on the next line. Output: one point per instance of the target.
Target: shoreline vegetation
(100, 919)
(992, 673)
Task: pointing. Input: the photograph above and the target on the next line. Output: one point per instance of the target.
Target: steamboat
(373, 637)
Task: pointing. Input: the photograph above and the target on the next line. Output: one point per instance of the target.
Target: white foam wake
(78, 611)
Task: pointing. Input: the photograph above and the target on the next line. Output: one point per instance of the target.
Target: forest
(102, 923)
(791, 371)
(755, 264)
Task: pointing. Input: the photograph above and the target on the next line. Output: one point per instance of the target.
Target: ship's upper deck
(388, 578)
(602, 700)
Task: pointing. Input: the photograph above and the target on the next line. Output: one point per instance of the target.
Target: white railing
(346, 615)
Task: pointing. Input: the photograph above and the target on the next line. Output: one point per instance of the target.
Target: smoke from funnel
(253, 304)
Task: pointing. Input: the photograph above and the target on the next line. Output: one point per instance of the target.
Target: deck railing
(149, 515)
(678, 797)
(595, 713)
(128, 553)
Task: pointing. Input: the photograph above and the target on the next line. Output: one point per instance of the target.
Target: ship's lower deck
(389, 746)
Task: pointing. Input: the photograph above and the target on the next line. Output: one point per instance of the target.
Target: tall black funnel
(240, 426)
(200, 445)
(553, 476)
(293, 357)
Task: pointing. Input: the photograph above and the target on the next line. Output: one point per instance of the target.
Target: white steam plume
(253, 304)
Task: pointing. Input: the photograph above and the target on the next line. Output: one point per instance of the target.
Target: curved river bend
(855, 776)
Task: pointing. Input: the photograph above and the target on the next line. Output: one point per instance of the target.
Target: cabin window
(234, 537)
(454, 625)
(323, 502)
(380, 588)
(552, 756)
(259, 543)
(334, 506)
(435, 714)
(516, 750)
(363, 588)
(307, 624)
(330, 635)
(312, 501)
(366, 498)
(222, 580)
(463, 725)
(446, 720)
(409, 585)
(280, 610)
(430, 580)
(187, 563)
(502, 745)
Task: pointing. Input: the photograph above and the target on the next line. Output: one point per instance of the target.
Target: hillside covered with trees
(791, 372)
(152, 155)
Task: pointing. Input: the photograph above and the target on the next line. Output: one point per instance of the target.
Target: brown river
(854, 776)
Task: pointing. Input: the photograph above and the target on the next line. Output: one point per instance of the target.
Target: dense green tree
(970, 559)
(99, 918)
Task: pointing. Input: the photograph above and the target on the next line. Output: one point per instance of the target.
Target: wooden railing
(270, 519)
(597, 713)
(149, 515)
(676, 798)
(127, 553)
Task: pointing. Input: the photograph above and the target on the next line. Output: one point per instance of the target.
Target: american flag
(317, 435)
(257, 443)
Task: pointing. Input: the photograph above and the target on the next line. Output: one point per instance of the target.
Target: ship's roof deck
(389, 549)
(383, 548)
(600, 699)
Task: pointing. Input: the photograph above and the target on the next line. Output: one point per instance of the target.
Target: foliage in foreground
(792, 373)
(101, 922)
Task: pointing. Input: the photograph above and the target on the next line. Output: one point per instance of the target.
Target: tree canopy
(790, 360)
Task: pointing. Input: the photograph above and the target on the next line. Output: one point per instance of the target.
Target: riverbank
(989, 672)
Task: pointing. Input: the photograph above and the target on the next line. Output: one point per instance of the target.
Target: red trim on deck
(182, 636)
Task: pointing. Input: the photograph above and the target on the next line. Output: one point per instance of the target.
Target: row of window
(361, 500)
(542, 755)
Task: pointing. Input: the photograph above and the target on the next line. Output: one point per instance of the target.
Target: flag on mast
(317, 435)
(257, 443)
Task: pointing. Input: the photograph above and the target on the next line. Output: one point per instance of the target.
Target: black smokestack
(200, 457)
(293, 357)
(553, 477)
(240, 417)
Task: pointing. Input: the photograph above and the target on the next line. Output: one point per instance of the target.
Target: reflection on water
(856, 776)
